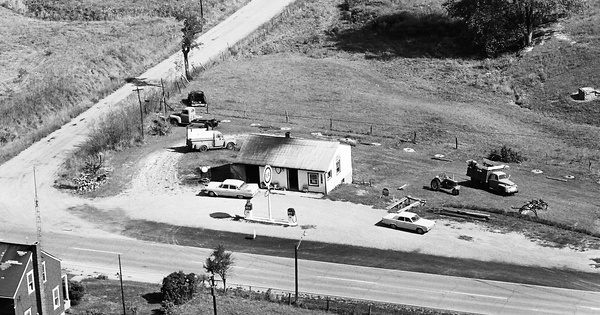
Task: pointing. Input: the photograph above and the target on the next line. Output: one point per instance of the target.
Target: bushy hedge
(506, 155)
(76, 292)
(178, 288)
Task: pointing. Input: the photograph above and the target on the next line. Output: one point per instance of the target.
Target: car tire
(455, 192)
(420, 231)
(212, 194)
(203, 148)
(435, 184)
(230, 146)
(393, 226)
(173, 122)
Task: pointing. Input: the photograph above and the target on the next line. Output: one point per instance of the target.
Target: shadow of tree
(153, 298)
(404, 34)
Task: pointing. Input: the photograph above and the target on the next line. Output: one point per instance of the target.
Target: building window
(329, 174)
(44, 271)
(56, 297)
(338, 165)
(27, 312)
(313, 179)
(30, 282)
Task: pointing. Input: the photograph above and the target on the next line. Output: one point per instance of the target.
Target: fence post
(327, 308)
(330, 123)
(414, 137)
(456, 141)
(371, 130)
(369, 309)
(287, 118)
(289, 299)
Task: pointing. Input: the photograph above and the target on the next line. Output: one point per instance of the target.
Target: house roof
(13, 262)
(287, 152)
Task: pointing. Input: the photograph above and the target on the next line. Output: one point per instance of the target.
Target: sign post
(267, 176)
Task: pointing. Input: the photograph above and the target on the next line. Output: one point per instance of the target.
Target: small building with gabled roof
(298, 164)
(31, 281)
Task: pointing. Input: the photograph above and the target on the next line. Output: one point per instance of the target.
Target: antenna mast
(40, 270)
(38, 217)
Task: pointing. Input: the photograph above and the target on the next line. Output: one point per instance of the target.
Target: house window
(56, 297)
(27, 312)
(44, 271)
(338, 165)
(313, 179)
(30, 282)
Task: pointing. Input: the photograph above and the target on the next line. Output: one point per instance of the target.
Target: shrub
(178, 288)
(506, 155)
(76, 292)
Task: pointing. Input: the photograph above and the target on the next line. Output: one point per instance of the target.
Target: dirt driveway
(155, 194)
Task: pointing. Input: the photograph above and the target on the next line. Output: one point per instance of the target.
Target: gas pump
(248, 210)
(291, 215)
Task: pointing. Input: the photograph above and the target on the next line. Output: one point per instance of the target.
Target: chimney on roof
(287, 134)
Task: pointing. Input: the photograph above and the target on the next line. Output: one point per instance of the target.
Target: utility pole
(212, 292)
(141, 113)
(121, 280)
(296, 265)
(201, 11)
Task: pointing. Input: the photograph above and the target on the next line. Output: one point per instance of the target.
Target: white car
(231, 188)
(409, 221)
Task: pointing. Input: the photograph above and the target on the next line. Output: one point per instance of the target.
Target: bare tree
(221, 263)
(192, 25)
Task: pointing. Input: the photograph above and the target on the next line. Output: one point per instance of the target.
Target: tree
(76, 292)
(192, 25)
(221, 263)
(178, 287)
(500, 25)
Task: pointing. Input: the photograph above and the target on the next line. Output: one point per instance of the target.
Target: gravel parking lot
(156, 195)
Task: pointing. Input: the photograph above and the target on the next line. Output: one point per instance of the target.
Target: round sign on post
(267, 175)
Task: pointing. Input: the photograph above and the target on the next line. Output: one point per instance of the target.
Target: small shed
(587, 94)
(298, 164)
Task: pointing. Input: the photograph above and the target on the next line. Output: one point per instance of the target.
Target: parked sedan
(231, 188)
(409, 221)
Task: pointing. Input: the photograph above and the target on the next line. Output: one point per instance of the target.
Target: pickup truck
(188, 116)
(230, 188)
(409, 221)
(195, 99)
(203, 139)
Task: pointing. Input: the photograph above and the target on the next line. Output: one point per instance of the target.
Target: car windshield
(414, 218)
(502, 176)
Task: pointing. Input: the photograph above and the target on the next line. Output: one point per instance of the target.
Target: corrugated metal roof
(279, 151)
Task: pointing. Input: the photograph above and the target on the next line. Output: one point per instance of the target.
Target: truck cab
(501, 182)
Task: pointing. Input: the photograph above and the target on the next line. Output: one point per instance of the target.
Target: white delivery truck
(202, 139)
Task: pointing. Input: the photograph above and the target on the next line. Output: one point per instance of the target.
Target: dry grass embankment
(56, 68)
